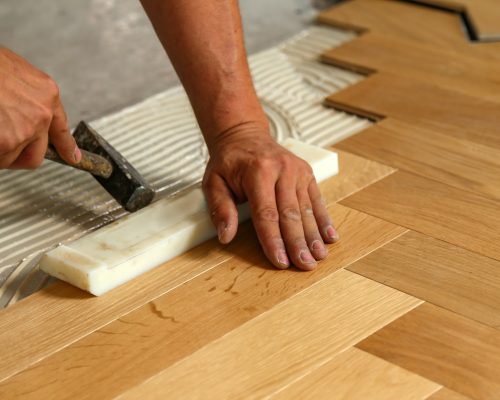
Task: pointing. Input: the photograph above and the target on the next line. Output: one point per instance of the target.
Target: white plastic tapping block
(148, 238)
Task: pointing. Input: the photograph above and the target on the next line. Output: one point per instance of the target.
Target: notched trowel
(120, 179)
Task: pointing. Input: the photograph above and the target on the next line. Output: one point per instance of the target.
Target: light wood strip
(283, 344)
(419, 24)
(435, 209)
(431, 106)
(447, 394)
(456, 71)
(457, 162)
(444, 347)
(483, 14)
(178, 323)
(439, 273)
(62, 314)
(357, 375)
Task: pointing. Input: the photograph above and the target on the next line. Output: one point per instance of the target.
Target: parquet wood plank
(423, 105)
(357, 375)
(426, 152)
(439, 273)
(280, 346)
(444, 347)
(171, 327)
(453, 70)
(419, 24)
(483, 14)
(62, 314)
(458, 217)
(447, 394)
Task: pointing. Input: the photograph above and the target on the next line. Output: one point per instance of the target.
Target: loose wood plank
(444, 347)
(435, 209)
(419, 24)
(62, 314)
(296, 336)
(357, 375)
(457, 162)
(423, 105)
(453, 70)
(439, 273)
(171, 327)
(484, 15)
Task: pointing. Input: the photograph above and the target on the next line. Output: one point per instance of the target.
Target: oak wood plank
(410, 22)
(62, 314)
(163, 331)
(357, 375)
(454, 70)
(444, 347)
(483, 14)
(423, 105)
(280, 346)
(419, 24)
(458, 217)
(438, 272)
(457, 162)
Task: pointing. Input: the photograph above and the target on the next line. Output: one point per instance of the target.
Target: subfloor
(406, 306)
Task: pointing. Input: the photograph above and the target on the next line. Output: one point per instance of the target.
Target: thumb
(61, 138)
(222, 207)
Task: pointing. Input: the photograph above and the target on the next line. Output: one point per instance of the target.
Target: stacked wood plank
(406, 306)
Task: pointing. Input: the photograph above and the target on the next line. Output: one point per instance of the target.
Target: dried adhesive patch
(160, 137)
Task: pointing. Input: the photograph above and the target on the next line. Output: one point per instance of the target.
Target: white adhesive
(139, 242)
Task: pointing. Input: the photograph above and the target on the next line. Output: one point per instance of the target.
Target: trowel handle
(90, 162)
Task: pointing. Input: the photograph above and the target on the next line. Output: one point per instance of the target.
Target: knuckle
(291, 214)
(8, 144)
(263, 164)
(44, 115)
(267, 214)
(51, 87)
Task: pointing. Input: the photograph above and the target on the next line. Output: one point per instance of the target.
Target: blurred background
(104, 53)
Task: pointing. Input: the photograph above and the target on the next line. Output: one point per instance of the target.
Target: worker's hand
(287, 209)
(31, 115)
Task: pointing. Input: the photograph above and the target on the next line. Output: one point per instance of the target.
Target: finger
(323, 220)
(61, 138)
(7, 159)
(265, 217)
(32, 155)
(310, 226)
(291, 226)
(222, 207)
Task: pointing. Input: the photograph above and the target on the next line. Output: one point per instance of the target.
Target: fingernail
(77, 155)
(332, 233)
(221, 230)
(318, 247)
(283, 259)
(306, 257)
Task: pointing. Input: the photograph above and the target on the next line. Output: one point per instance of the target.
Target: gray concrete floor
(104, 53)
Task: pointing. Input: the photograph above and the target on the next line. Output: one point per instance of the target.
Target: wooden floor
(407, 305)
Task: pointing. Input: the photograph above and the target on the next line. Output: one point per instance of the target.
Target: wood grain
(457, 162)
(173, 326)
(357, 375)
(62, 314)
(435, 209)
(438, 108)
(439, 273)
(377, 52)
(447, 394)
(444, 347)
(272, 351)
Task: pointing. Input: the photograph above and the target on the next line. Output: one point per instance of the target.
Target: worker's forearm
(204, 40)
